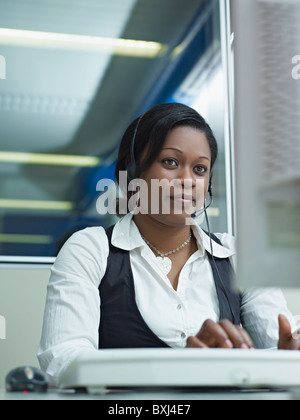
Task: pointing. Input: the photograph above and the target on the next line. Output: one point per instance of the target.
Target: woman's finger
(212, 334)
(236, 336)
(247, 338)
(285, 333)
(194, 342)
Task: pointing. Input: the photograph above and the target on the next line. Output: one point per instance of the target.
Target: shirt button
(179, 307)
(183, 335)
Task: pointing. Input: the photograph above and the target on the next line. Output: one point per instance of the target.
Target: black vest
(122, 325)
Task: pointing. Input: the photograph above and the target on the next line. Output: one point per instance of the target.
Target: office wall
(22, 299)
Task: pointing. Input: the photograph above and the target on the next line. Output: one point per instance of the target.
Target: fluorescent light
(48, 159)
(25, 239)
(36, 205)
(123, 47)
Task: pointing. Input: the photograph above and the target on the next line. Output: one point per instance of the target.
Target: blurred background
(78, 72)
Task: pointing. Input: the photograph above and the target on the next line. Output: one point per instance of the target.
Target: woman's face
(184, 163)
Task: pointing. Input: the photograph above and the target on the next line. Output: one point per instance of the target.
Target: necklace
(165, 262)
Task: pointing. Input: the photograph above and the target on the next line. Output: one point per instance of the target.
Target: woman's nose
(187, 176)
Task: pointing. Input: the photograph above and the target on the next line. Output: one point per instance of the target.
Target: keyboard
(187, 368)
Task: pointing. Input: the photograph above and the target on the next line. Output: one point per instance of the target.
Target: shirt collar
(209, 245)
(126, 236)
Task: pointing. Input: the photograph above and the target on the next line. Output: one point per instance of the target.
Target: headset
(131, 172)
(131, 167)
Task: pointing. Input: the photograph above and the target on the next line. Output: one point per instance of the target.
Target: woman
(156, 279)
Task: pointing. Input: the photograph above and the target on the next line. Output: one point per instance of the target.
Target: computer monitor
(267, 141)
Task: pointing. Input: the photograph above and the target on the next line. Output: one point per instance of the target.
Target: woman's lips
(187, 200)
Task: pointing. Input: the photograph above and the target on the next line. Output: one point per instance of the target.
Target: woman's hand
(223, 335)
(287, 340)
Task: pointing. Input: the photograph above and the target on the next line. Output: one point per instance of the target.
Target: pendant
(165, 264)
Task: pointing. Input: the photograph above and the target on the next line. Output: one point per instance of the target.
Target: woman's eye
(170, 162)
(200, 169)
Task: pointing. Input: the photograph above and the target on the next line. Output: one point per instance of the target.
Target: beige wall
(22, 299)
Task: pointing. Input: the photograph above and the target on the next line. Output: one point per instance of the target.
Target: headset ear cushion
(210, 188)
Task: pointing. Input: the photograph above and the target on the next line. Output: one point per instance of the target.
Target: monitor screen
(267, 141)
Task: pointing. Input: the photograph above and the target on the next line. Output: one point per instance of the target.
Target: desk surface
(163, 395)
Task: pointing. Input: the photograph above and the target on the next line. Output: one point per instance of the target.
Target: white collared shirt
(72, 313)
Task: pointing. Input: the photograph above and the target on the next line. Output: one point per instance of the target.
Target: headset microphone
(200, 212)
